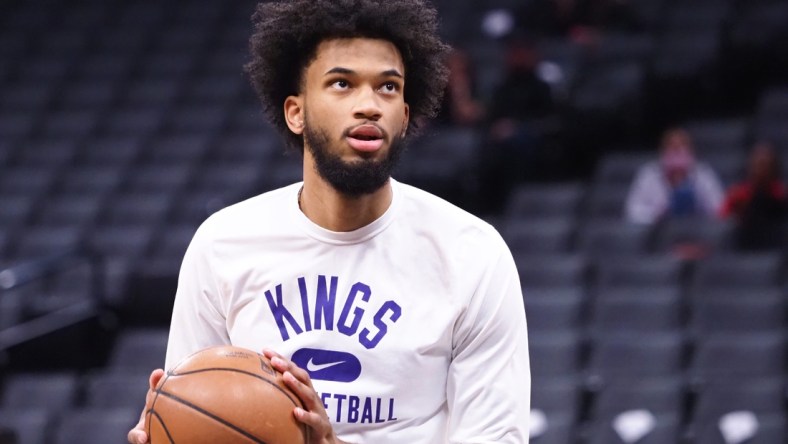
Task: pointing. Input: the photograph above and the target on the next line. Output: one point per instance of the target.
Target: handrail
(29, 271)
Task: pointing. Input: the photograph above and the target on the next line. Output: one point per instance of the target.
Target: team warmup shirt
(412, 328)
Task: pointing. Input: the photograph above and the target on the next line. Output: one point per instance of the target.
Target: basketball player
(395, 316)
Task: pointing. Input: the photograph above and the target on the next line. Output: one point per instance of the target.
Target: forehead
(362, 55)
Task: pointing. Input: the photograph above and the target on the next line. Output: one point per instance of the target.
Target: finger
(270, 353)
(137, 436)
(153, 381)
(305, 392)
(155, 377)
(278, 361)
(318, 423)
(284, 365)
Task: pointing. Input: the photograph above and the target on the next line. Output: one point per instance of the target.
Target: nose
(367, 106)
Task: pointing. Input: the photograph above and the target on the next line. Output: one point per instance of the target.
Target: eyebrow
(346, 71)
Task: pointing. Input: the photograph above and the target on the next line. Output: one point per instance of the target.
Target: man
(395, 316)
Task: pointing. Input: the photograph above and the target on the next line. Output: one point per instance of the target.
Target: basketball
(224, 394)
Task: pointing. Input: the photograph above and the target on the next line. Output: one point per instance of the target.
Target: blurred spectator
(519, 116)
(522, 96)
(460, 105)
(676, 185)
(578, 20)
(552, 18)
(759, 203)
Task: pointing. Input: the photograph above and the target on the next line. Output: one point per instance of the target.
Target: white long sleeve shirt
(649, 195)
(412, 328)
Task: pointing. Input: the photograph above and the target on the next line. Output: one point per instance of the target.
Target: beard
(352, 179)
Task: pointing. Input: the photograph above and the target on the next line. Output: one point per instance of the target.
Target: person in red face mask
(675, 185)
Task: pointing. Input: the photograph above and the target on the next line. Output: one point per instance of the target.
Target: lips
(366, 138)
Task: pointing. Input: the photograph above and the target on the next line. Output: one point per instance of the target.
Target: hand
(137, 435)
(314, 415)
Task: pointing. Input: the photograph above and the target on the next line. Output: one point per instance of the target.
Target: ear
(405, 120)
(294, 114)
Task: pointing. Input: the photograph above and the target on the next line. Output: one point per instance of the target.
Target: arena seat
(30, 425)
(51, 391)
(636, 315)
(554, 310)
(95, 425)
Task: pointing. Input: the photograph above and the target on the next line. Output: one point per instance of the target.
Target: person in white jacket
(675, 185)
(395, 316)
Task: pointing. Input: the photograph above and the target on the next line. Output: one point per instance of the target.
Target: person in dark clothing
(578, 20)
(759, 203)
(519, 117)
(461, 106)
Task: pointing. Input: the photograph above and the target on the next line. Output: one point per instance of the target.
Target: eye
(390, 87)
(340, 85)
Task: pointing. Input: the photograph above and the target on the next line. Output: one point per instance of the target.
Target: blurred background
(631, 152)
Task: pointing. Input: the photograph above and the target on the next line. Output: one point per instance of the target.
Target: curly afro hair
(287, 34)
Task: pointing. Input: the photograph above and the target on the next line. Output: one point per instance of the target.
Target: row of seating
(659, 411)
(656, 410)
(578, 391)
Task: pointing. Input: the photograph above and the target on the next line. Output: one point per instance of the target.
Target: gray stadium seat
(559, 311)
(714, 235)
(140, 350)
(177, 150)
(31, 426)
(115, 390)
(719, 135)
(540, 270)
(635, 356)
(544, 201)
(667, 429)
(73, 124)
(660, 396)
(744, 313)
(42, 240)
(53, 392)
(95, 425)
(69, 210)
(146, 209)
(125, 241)
(555, 354)
(618, 169)
(735, 356)
(535, 236)
(647, 270)
(764, 398)
(636, 315)
(114, 150)
(612, 238)
(560, 401)
(748, 271)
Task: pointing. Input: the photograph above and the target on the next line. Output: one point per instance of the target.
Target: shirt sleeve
(646, 201)
(710, 190)
(489, 380)
(198, 320)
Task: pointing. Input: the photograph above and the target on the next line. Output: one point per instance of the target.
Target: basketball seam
(212, 416)
(153, 405)
(190, 372)
(163, 425)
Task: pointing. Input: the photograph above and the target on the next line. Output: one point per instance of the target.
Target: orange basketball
(227, 395)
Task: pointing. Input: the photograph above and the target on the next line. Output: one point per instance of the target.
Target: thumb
(155, 377)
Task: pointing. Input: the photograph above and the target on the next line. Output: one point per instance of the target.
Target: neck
(334, 211)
